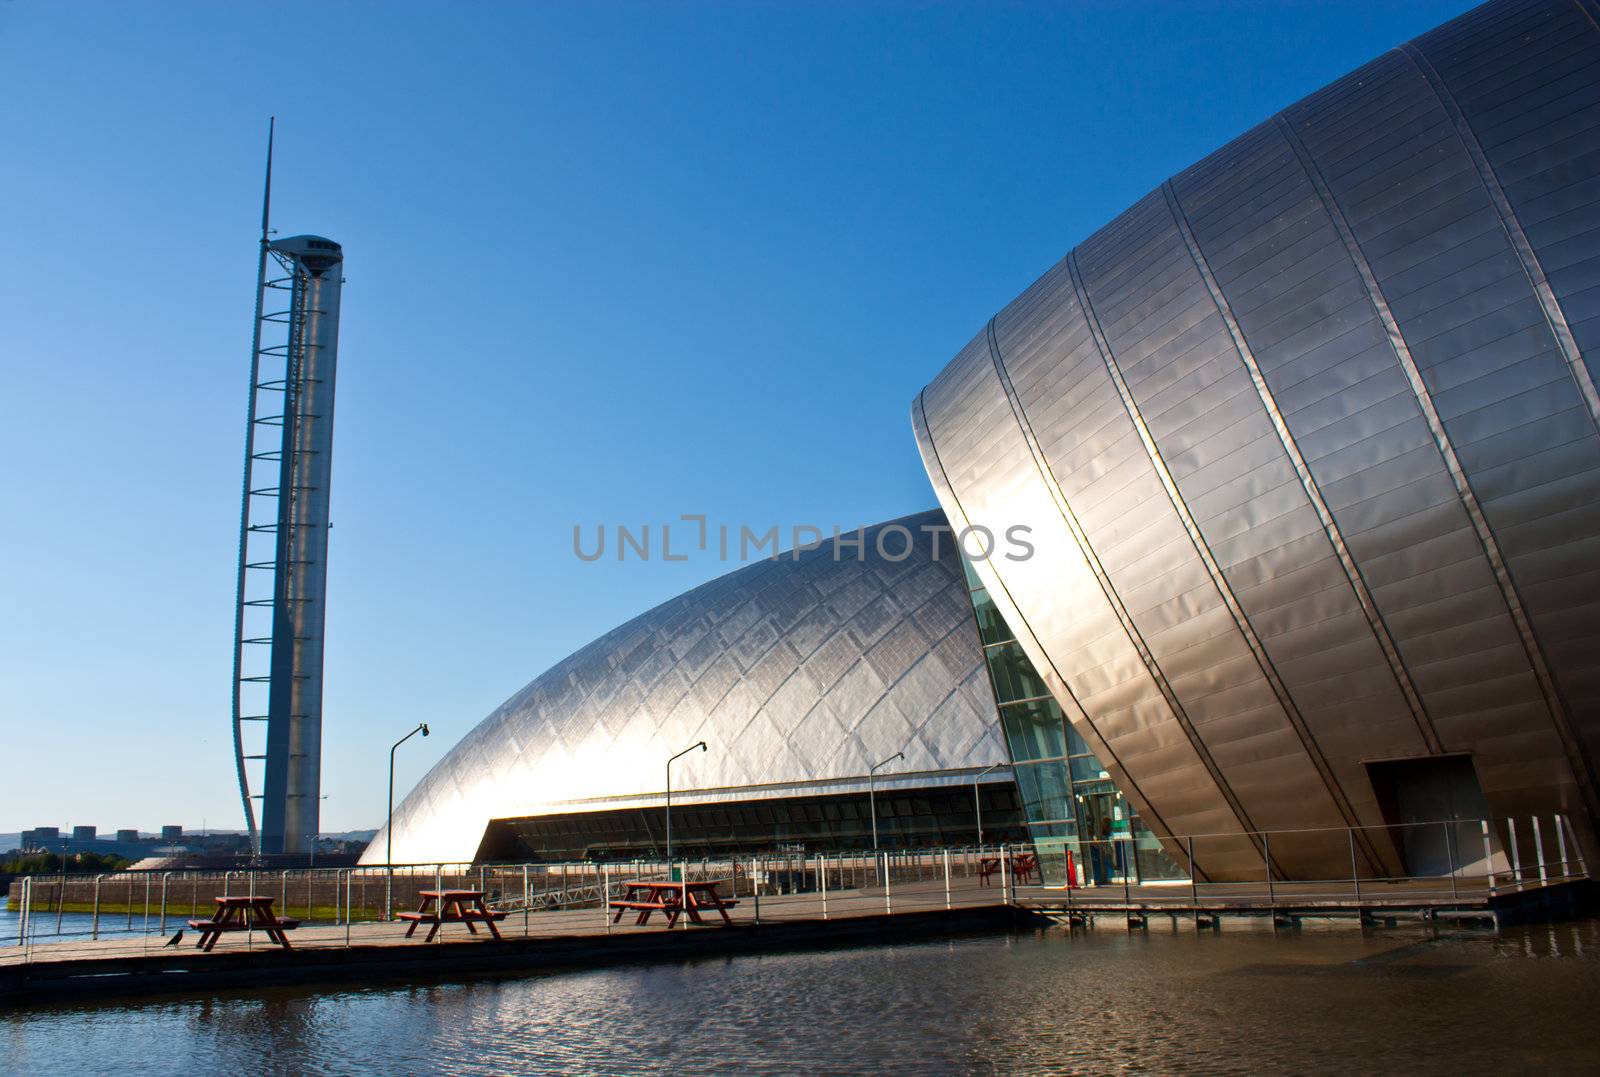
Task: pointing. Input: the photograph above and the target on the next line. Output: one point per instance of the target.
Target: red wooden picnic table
(647, 896)
(243, 912)
(440, 907)
(1024, 866)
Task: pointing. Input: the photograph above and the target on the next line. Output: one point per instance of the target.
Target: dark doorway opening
(1426, 803)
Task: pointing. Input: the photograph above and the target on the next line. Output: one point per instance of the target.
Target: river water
(1243, 1000)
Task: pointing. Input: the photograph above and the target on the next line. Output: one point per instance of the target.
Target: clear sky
(606, 264)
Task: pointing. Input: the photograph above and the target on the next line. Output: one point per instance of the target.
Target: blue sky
(606, 263)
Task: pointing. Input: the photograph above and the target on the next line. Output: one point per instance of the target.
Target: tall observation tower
(283, 537)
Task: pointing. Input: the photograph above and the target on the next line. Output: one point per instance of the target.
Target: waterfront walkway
(926, 896)
(1465, 900)
(533, 940)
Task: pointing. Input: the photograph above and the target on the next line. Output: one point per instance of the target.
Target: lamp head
(702, 746)
(424, 729)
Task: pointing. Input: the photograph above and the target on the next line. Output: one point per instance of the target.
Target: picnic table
(648, 896)
(1024, 866)
(243, 913)
(440, 907)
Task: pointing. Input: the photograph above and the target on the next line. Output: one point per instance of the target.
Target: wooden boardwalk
(537, 939)
(533, 940)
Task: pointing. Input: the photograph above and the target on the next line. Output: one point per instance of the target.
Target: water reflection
(1236, 1001)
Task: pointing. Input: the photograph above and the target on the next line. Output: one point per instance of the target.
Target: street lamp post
(318, 835)
(700, 745)
(872, 795)
(977, 802)
(388, 830)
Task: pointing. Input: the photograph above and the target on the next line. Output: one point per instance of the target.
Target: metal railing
(124, 913)
(58, 916)
(1472, 859)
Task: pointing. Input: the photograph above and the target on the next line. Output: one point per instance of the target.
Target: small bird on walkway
(175, 939)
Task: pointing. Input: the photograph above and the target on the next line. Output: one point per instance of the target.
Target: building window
(1080, 824)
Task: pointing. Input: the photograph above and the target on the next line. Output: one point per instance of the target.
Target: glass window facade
(907, 819)
(1081, 825)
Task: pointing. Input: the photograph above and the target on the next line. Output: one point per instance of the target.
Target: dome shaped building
(799, 672)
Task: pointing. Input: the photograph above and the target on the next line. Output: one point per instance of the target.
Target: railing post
(1561, 844)
(1005, 876)
(1194, 882)
(146, 902)
(823, 860)
(605, 895)
(1577, 849)
(22, 911)
(283, 893)
(1516, 860)
(1266, 852)
(683, 893)
(888, 900)
(162, 929)
(94, 923)
(1538, 847)
(1488, 854)
(349, 892)
(755, 889)
(1450, 857)
(947, 878)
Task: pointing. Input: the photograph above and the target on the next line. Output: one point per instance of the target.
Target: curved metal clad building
(1307, 447)
(800, 672)
(1309, 443)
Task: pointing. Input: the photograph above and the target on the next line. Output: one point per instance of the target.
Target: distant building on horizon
(85, 839)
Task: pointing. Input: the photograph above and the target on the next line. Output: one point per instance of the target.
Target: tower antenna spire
(266, 191)
(251, 421)
(281, 583)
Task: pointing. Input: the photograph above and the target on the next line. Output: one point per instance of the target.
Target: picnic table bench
(1024, 866)
(440, 907)
(647, 896)
(243, 913)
